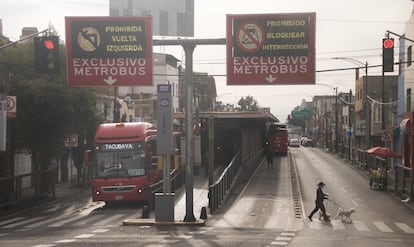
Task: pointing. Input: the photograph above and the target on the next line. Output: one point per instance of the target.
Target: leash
(334, 203)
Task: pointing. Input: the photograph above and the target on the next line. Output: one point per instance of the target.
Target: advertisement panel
(109, 51)
(271, 49)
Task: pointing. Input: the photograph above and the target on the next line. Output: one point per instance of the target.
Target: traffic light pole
(26, 37)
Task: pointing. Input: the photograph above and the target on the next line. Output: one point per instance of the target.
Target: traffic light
(388, 55)
(47, 54)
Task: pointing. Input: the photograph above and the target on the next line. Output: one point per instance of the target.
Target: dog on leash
(345, 215)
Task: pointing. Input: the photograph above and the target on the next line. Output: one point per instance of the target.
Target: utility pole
(336, 119)
(366, 107)
(349, 124)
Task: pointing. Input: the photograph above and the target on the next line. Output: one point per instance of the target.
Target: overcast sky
(344, 28)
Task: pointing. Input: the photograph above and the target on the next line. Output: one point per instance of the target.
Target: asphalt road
(268, 210)
(380, 219)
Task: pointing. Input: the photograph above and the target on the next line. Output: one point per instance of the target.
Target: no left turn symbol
(250, 37)
(11, 104)
(89, 39)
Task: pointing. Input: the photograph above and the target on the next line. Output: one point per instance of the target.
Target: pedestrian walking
(320, 197)
(269, 159)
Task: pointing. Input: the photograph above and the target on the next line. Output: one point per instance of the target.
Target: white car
(294, 142)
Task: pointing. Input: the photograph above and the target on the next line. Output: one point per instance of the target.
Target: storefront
(404, 174)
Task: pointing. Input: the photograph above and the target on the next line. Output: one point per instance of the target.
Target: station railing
(219, 190)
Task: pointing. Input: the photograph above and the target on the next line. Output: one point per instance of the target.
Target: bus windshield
(120, 160)
(277, 132)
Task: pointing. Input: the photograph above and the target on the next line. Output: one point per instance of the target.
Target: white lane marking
(382, 226)
(44, 245)
(337, 225)
(360, 226)
(65, 241)
(24, 222)
(85, 236)
(279, 243)
(100, 230)
(283, 239)
(406, 228)
(4, 234)
(355, 203)
(288, 234)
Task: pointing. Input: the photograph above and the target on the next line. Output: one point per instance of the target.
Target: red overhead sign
(109, 51)
(271, 49)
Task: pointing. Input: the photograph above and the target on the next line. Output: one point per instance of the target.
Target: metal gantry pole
(189, 46)
(189, 215)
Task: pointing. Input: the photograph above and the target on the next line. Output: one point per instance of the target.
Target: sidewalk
(28, 198)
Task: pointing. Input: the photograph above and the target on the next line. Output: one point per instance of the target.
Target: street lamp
(366, 109)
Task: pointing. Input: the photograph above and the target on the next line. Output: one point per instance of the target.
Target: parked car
(308, 143)
(303, 139)
(294, 142)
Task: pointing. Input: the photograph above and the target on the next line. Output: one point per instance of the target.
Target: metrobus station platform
(200, 200)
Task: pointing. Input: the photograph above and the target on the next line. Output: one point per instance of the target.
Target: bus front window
(120, 164)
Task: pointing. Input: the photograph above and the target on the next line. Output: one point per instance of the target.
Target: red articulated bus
(277, 139)
(122, 167)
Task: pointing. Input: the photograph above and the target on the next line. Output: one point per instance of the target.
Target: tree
(248, 104)
(47, 109)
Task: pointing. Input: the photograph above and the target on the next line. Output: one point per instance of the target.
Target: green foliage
(248, 104)
(47, 108)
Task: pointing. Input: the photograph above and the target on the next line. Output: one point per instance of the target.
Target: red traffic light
(48, 44)
(388, 43)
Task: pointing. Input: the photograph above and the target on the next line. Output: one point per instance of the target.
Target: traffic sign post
(271, 49)
(109, 51)
(3, 122)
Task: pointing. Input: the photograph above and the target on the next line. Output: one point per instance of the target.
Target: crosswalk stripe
(19, 223)
(63, 222)
(337, 225)
(382, 226)
(360, 226)
(43, 222)
(88, 219)
(315, 225)
(107, 220)
(406, 228)
(10, 220)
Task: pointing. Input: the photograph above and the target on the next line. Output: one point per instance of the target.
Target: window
(408, 100)
(409, 56)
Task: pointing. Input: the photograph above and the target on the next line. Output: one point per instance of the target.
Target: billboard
(109, 51)
(271, 49)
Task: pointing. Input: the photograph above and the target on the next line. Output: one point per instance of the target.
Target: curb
(147, 222)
